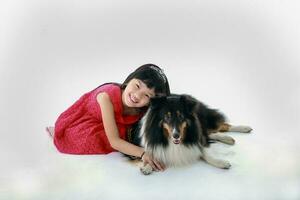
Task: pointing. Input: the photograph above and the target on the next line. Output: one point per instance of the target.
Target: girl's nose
(136, 97)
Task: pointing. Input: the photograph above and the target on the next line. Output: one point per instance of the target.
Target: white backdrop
(239, 56)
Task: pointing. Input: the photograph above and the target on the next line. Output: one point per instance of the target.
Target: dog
(177, 130)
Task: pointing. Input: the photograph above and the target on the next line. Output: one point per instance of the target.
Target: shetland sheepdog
(177, 130)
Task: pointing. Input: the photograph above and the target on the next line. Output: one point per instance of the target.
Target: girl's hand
(155, 164)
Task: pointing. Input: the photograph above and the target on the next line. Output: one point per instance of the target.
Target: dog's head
(175, 119)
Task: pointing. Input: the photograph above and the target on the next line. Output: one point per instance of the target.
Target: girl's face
(137, 94)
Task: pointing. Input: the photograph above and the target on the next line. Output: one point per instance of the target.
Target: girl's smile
(133, 98)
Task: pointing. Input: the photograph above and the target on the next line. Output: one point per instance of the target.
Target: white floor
(238, 56)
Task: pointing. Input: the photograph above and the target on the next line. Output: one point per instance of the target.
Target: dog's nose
(176, 135)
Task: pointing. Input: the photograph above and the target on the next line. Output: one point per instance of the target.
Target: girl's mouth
(132, 99)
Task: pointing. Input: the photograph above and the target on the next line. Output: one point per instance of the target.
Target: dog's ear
(157, 101)
(188, 102)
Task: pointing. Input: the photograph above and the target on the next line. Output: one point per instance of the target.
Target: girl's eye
(137, 85)
(147, 96)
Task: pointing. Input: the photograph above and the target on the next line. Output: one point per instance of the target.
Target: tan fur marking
(169, 114)
(224, 127)
(182, 130)
(167, 130)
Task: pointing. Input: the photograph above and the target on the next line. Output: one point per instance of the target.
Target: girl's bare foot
(50, 130)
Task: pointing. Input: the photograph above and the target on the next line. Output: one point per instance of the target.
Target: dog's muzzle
(176, 137)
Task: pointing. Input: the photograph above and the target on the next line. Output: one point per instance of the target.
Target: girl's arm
(111, 128)
(112, 133)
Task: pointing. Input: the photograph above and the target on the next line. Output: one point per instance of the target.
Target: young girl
(97, 123)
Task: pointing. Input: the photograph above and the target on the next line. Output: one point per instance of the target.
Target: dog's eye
(167, 118)
(181, 118)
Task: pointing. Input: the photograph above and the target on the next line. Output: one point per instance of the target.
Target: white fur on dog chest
(176, 155)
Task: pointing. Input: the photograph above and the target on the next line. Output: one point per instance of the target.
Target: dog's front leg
(223, 164)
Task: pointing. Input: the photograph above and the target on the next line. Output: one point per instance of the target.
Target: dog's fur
(177, 130)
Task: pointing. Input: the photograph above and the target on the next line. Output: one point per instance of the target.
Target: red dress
(79, 130)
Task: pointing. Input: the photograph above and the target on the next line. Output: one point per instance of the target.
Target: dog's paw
(241, 129)
(228, 140)
(223, 164)
(226, 165)
(146, 170)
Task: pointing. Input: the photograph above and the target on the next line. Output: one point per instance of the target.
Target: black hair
(153, 77)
